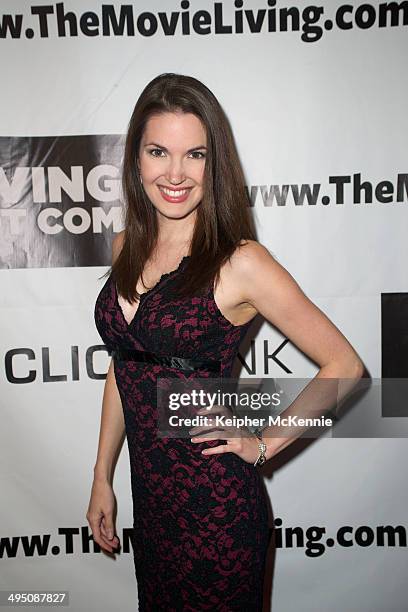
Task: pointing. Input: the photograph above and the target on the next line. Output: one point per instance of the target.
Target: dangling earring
(140, 177)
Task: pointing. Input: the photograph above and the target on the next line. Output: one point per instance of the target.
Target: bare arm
(112, 429)
(100, 514)
(282, 302)
(266, 286)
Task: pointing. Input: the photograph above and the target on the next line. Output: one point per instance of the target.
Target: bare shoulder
(252, 262)
(250, 255)
(117, 244)
(258, 278)
(237, 276)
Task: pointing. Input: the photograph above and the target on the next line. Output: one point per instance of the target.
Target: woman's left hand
(240, 440)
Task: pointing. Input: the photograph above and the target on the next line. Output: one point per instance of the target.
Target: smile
(174, 196)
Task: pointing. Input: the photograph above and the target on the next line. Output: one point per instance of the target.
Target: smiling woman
(186, 281)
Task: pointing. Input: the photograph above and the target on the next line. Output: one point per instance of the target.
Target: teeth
(173, 194)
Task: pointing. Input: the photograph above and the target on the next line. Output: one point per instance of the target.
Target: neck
(176, 232)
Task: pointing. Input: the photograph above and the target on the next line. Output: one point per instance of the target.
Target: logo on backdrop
(225, 18)
(59, 200)
(313, 540)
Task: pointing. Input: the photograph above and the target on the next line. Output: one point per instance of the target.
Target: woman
(187, 279)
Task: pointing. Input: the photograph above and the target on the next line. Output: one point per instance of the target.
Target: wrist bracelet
(262, 448)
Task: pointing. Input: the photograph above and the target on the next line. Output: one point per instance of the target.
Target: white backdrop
(302, 112)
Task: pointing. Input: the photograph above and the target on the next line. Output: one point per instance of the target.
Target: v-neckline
(145, 294)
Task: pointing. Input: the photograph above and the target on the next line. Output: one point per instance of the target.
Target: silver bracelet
(262, 448)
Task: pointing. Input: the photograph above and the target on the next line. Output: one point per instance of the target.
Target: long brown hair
(223, 218)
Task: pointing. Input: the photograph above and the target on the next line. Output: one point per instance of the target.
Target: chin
(175, 211)
(176, 214)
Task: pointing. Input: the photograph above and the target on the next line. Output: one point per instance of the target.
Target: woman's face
(171, 162)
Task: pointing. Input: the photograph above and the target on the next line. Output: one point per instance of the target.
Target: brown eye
(153, 150)
(202, 155)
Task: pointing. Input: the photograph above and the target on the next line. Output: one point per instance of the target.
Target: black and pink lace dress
(200, 529)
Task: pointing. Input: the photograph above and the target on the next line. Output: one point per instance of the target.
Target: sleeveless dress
(200, 523)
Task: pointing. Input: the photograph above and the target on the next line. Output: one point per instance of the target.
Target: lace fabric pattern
(200, 523)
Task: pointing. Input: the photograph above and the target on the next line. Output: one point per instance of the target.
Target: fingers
(198, 431)
(211, 435)
(216, 450)
(214, 410)
(210, 424)
(225, 432)
(108, 531)
(239, 446)
(99, 533)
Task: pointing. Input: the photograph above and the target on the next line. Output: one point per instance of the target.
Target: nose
(175, 172)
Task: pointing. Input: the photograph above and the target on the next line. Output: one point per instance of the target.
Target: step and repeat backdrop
(316, 96)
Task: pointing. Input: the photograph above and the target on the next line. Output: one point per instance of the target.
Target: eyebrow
(164, 148)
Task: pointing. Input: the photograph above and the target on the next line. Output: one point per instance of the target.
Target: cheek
(198, 176)
(150, 167)
(149, 171)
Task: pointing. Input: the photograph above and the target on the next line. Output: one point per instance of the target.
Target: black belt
(166, 360)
